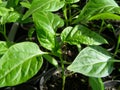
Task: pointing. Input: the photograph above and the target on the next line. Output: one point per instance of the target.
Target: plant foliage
(56, 24)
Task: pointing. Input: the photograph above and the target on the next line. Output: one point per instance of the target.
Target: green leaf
(81, 34)
(72, 1)
(3, 3)
(21, 62)
(3, 47)
(92, 61)
(96, 83)
(94, 7)
(44, 5)
(4, 11)
(31, 32)
(105, 16)
(8, 15)
(0, 1)
(12, 17)
(12, 3)
(25, 4)
(46, 25)
(51, 60)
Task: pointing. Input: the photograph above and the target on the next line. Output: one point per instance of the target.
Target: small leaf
(48, 20)
(31, 32)
(96, 83)
(4, 11)
(105, 16)
(8, 15)
(81, 34)
(46, 25)
(25, 4)
(44, 5)
(51, 60)
(3, 47)
(72, 1)
(21, 62)
(92, 61)
(13, 17)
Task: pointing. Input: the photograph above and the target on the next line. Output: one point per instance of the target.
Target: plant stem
(63, 73)
(117, 47)
(101, 27)
(70, 17)
(4, 33)
(115, 61)
(65, 14)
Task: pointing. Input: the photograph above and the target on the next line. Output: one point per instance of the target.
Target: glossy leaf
(25, 4)
(81, 34)
(44, 5)
(21, 62)
(94, 7)
(49, 20)
(8, 15)
(96, 83)
(72, 1)
(46, 25)
(92, 61)
(3, 47)
(52, 60)
(4, 11)
(105, 16)
(12, 17)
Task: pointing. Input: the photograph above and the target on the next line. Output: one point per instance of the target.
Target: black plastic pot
(112, 85)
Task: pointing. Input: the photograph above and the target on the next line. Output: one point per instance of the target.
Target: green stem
(70, 16)
(4, 33)
(65, 14)
(101, 27)
(63, 73)
(117, 47)
(115, 61)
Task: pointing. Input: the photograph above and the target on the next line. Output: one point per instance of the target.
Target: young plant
(21, 61)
